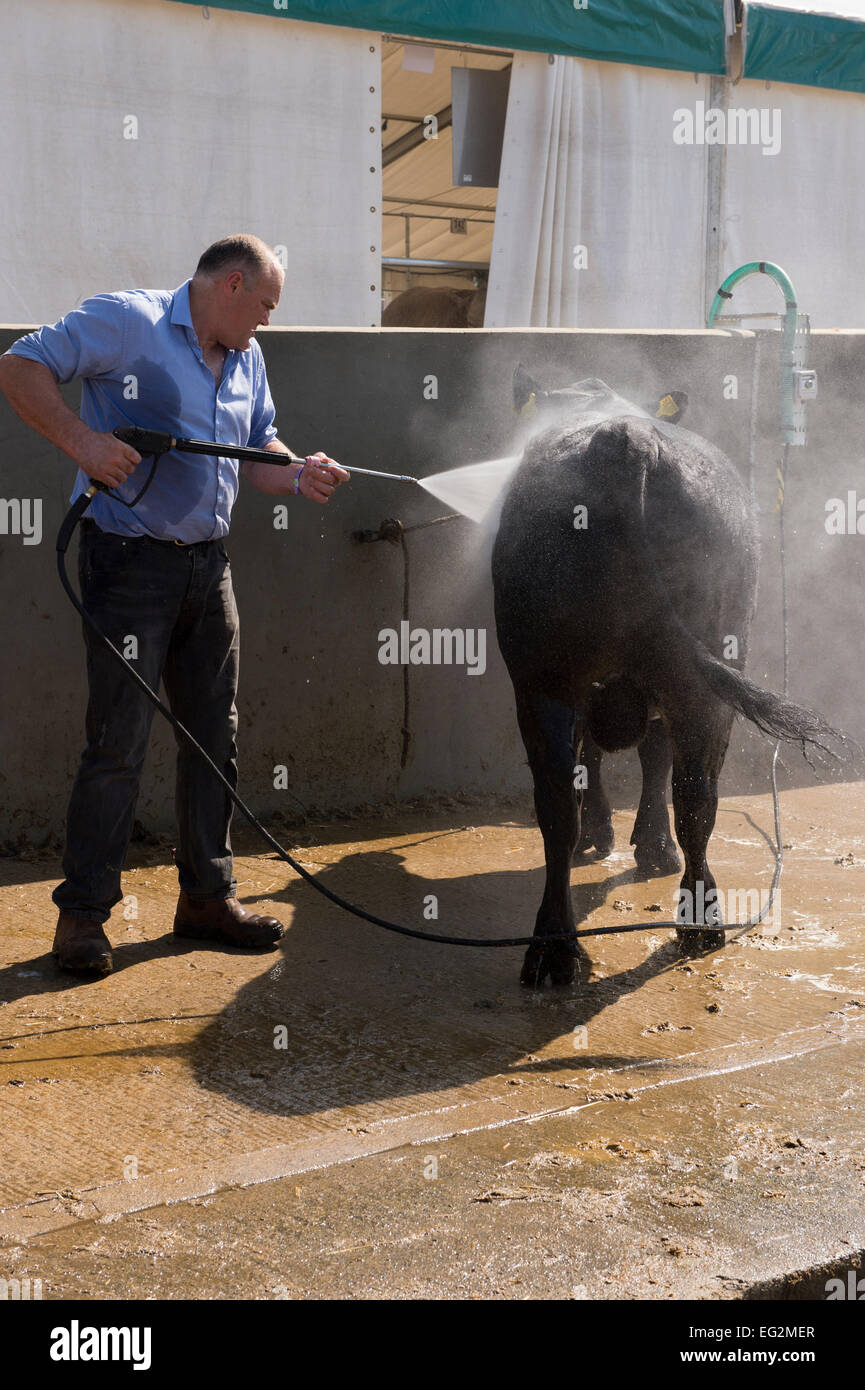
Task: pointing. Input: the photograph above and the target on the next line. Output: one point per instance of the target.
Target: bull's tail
(626, 452)
(772, 714)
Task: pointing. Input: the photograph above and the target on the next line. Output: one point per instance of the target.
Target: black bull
(630, 627)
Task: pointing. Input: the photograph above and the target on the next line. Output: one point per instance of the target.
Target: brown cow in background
(426, 307)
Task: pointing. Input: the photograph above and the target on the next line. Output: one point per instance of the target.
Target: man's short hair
(244, 252)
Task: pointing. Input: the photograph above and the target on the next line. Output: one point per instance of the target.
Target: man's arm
(318, 479)
(33, 394)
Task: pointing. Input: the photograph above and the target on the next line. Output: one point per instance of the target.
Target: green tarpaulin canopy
(654, 33)
(817, 45)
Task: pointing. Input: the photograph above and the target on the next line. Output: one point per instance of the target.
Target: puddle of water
(824, 982)
(816, 936)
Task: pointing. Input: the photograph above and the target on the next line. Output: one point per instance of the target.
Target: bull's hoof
(657, 859)
(690, 941)
(713, 940)
(696, 938)
(557, 962)
(694, 942)
(600, 838)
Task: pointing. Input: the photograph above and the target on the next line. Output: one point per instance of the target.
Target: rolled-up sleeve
(261, 426)
(87, 342)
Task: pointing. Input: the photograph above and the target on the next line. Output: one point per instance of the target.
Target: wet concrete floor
(361, 1115)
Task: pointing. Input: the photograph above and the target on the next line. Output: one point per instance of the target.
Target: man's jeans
(171, 607)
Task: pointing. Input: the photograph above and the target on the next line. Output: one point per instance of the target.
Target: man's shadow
(348, 1013)
(344, 1013)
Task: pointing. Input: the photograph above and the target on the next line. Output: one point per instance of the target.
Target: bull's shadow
(347, 1014)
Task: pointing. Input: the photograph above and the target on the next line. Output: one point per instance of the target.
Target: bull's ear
(671, 407)
(526, 389)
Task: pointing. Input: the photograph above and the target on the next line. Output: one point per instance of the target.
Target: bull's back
(569, 580)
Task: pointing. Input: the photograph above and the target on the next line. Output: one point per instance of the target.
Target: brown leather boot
(225, 920)
(80, 944)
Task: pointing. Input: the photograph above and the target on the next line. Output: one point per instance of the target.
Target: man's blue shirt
(140, 363)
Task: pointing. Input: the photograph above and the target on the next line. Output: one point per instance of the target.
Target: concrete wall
(313, 694)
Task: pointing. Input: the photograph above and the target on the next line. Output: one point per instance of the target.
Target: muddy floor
(361, 1115)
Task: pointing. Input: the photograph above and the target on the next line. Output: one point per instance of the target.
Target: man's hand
(318, 478)
(321, 477)
(106, 459)
(32, 393)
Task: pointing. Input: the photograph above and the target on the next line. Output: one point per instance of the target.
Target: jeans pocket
(105, 552)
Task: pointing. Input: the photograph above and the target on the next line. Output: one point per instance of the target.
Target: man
(184, 362)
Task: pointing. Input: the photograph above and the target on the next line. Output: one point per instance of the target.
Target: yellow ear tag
(666, 408)
(530, 408)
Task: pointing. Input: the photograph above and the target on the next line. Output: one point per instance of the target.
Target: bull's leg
(698, 755)
(654, 846)
(548, 727)
(596, 824)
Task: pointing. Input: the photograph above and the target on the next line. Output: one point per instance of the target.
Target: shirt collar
(180, 311)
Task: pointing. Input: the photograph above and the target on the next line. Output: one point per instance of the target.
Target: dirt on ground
(363, 1115)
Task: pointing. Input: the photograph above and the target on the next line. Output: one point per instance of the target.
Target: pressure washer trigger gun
(146, 442)
(154, 442)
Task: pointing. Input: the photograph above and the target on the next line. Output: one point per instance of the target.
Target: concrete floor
(359, 1115)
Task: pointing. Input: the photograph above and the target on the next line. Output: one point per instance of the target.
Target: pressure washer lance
(157, 443)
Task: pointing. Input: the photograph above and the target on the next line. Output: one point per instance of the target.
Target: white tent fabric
(803, 208)
(136, 134)
(589, 161)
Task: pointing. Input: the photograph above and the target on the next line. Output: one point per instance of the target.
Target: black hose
(64, 535)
